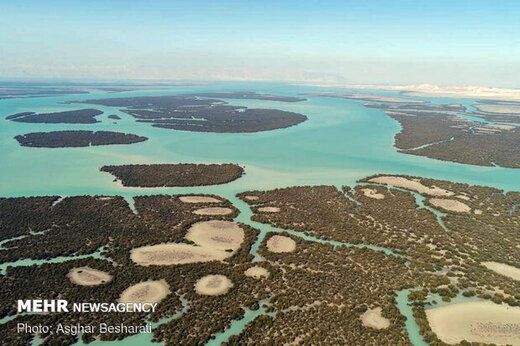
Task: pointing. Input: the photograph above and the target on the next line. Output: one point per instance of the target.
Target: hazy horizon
(346, 42)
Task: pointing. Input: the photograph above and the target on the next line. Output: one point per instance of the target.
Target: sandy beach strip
(199, 199)
(86, 276)
(372, 318)
(269, 210)
(145, 292)
(175, 253)
(213, 285)
(503, 269)
(280, 243)
(413, 185)
(216, 235)
(484, 322)
(450, 205)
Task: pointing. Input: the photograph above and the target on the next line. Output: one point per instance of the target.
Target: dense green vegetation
(79, 138)
(180, 174)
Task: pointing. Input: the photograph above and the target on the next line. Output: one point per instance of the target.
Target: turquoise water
(340, 143)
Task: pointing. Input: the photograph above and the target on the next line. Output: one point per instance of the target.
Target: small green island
(181, 174)
(78, 138)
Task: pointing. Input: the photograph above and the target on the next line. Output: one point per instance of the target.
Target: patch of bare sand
(413, 185)
(280, 243)
(213, 285)
(450, 205)
(216, 235)
(86, 276)
(372, 318)
(199, 199)
(503, 269)
(257, 272)
(213, 211)
(372, 194)
(484, 322)
(502, 127)
(145, 292)
(175, 253)
(269, 209)
(252, 198)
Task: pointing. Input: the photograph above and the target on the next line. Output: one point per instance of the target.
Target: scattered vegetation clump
(80, 116)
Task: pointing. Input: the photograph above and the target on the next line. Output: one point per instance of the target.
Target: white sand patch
(372, 193)
(174, 253)
(252, 198)
(450, 205)
(213, 211)
(503, 269)
(199, 199)
(86, 276)
(411, 185)
(499, 108)
(372, 318)
(484, 322)
(279, 243)
(213, 285)
(478, 212)
(145, 292)
(216, 235)
(269, 209)
(464, 197)
(257, 272)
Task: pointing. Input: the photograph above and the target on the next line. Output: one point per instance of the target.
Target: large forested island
(80, 116)
(181, 174)
(79, 138)
(329, 273)
(193, 113)
(447, 131)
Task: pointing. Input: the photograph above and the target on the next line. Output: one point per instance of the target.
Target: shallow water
(340, 143)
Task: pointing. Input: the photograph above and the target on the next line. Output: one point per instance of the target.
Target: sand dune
(257, 272)
(175, 253)
(199, 199)
(216, 235)
(372, 194)
(269, 210)
(213, 211)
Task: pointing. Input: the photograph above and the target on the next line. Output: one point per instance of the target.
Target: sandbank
(280, 243)
(269, 209)
(450, 205)
(175, 253)
(372, 194)
(499, 108)
(484, 322)
(411, 185)
(252, 198)
(86, 276)
(257, 272)
(213, 285)
(145, 292)
(213, 211)
(372, 318)
(503, 269)
(199, 199)
(216, 235)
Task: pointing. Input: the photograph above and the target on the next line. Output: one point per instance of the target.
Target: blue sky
(390, 42)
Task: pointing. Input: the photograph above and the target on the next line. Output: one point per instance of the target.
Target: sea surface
(340, 143)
